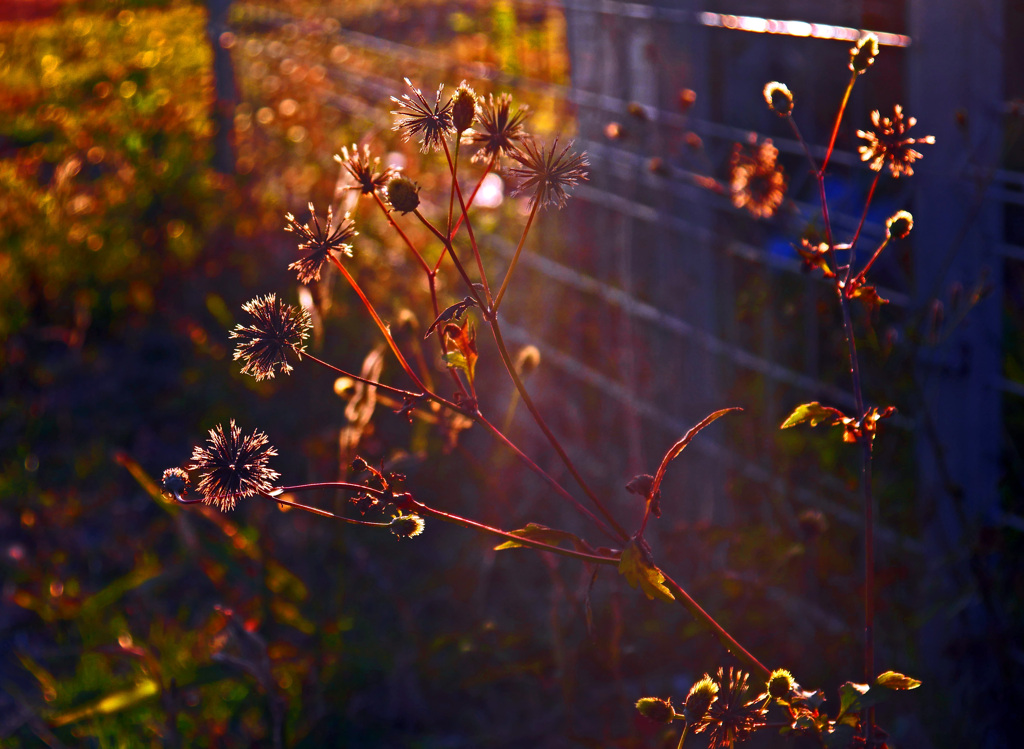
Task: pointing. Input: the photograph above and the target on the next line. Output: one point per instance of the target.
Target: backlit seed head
(699, 699)
(231, 465)
(174, 482)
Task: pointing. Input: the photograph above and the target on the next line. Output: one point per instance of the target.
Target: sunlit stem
(451, 251)
(557, 487)
(467, 523)
(385, 331)
(472, 196)
(453, 165)
(387, 213)
(863, 217)
(515, 257)
(839, 118)
(469, 224)
(535, 412)
(730, 643)
(682, 738)
(323, 513)
(867, 266)
(364, 380)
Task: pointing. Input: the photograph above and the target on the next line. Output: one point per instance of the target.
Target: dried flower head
(863, 53)
(403, 194)
(498, 128)
(432, 123)
(735, 714)
(233, 466)
(464, 105)
(319, 242)
(887, 142)
(757, 182)
(546, 173)
(656, 709)
(368, 175)
(174, 482)
(899, 225)
(699, 699)
(779, 98)
(407, 526)
(275, 330)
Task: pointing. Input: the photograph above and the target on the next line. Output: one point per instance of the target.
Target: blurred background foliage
(131, 231)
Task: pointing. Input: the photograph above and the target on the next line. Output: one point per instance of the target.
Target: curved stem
(724, 637)
(515, 257)
(391, 220)
(364, 380)
(451, 251)
(323, 513)
(472, 195)
(521, 389)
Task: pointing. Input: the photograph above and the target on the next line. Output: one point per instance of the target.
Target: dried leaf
(638, 570)
(868, 295)
(464, 340)
(545, 535)
(451, 313)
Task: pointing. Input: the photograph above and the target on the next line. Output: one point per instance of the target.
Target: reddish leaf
(465, 356)
(679, 446)
(451, 313)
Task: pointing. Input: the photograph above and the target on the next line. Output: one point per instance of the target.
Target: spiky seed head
(416, 117)
(276, 330)
(547, 172)
(403, 194)
(231, 466)
(319, 242)
(656, 709)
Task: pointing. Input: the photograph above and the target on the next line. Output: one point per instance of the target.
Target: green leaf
(849, 694)
(856, 697)
(550, 536)
(840, 738)
(895, 680)
(638, 571)
(815, 414)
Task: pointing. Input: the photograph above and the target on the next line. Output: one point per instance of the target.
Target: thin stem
(559, 489)
(384, 329)
(364, 380)
(867, 266)
(724, 637)
(469, 224)
(521, 388)
(423, 263)
(682, 738)
(322, 513)
(839, 118)
(800, 138)
(467, 523)
(451, 251)
(472, 195)
(863, 216)
(515, 257)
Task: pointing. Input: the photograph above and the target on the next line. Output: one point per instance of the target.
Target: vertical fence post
(225, 88)
(956, 91)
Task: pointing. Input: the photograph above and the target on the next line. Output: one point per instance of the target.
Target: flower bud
(779, 98)
(656, 709)
(463, 107)
(781, 684)
(407, 526)
(863, 54)
(899, 225)
(701, 695)
(174, 482)
(403, 194)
